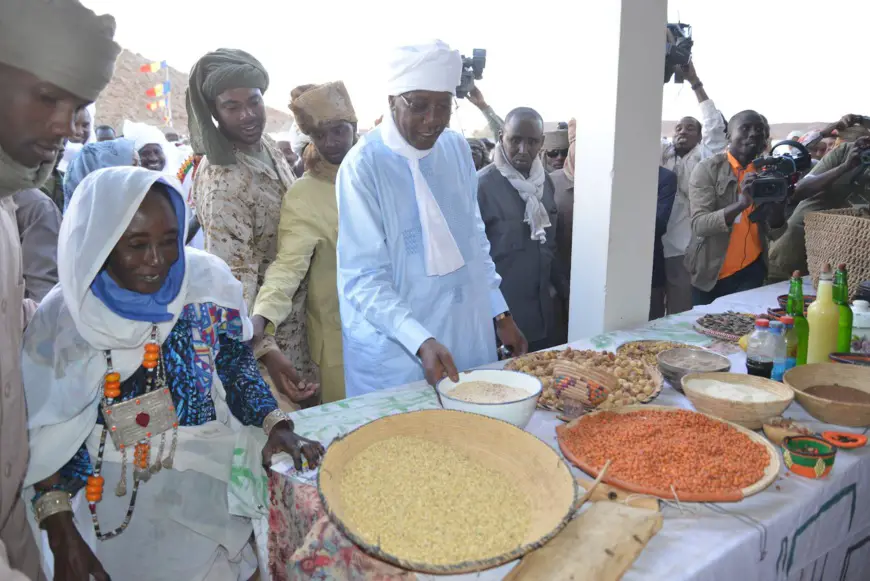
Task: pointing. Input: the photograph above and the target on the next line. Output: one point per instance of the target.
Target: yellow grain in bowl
(432, 504)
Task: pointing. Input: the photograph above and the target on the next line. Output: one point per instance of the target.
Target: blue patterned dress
(204, 336)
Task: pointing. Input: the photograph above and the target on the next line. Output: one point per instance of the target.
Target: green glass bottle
(795, 308)
(841, 297)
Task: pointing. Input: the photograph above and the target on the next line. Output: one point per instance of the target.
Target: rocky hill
(125, 97)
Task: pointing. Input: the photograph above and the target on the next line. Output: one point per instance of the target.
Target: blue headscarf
(136, 306)
(92, 157)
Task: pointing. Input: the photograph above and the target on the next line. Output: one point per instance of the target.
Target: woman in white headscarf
(143, 341)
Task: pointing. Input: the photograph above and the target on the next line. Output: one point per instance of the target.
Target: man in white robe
(418, 292)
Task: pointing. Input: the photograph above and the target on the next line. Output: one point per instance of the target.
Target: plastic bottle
(777, 336)
(841, 297)
(759, 351)
(795, 309)
(791, 342)
(823, 316)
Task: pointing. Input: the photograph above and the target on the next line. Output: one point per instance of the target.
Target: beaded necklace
(133, 423)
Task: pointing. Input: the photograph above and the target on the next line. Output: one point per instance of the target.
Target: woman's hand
(286, 379)
(73, 558)
(282, 438)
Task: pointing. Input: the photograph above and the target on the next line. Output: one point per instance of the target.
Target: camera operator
(693, 142)
(728, 251)
(838, 176)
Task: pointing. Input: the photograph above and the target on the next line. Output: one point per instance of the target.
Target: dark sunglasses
(557, 152)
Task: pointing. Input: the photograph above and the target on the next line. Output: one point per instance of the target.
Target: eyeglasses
(554, 153)
(422, 106)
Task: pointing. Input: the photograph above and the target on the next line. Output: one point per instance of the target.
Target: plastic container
(777, 336)
(759, 350)
(792, 342)
(823, 316)
(861, 327)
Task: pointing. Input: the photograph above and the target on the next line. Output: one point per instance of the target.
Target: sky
(795, 61)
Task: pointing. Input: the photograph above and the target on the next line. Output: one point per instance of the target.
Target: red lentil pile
(657, 450)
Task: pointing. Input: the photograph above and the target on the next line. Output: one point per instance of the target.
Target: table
(796, 530)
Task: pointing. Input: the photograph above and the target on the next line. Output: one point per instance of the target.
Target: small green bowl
(808, 456)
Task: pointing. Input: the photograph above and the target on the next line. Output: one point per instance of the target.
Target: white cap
(430, 66)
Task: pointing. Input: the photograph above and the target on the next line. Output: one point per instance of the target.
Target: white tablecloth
(796, 530)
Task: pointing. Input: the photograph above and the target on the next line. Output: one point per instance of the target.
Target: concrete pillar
(620, 53)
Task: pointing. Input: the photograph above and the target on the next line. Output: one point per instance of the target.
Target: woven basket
(839, 236)
(533, 466)
(744, 413)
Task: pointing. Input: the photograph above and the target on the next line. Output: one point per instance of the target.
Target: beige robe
(16, 542)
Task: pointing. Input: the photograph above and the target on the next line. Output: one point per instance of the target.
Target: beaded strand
(142, 453)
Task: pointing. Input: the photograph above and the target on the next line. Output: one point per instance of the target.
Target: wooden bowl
(677, 363)
(770, 472)
(532, 465)
(851, 358)
(783, 301)
(747, 414)
(840, 413)
(804, 464)
(777, 434)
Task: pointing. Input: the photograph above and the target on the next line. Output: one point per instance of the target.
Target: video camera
(472, 68)
(777, 175)
(678, 49)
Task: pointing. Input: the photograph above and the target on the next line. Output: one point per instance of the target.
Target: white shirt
(713, 141)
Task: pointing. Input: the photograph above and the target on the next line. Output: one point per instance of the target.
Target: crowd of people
(158, 299)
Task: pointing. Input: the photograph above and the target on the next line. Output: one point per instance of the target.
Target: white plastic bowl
(517, 412)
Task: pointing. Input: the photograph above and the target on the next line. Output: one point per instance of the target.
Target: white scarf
(442, 253)
(530, 189)
(62, 361)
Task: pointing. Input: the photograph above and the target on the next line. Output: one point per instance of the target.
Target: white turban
(432, 66)
(297, 139)
(141, 134)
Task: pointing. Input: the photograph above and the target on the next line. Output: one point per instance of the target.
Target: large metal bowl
(677, 363)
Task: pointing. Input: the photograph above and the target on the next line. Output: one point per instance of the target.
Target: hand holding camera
(860, 154)
(744, 198)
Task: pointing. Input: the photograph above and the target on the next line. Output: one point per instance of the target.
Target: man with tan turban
(237, 191)
(42, 87)
(308, 232)
(555, 149)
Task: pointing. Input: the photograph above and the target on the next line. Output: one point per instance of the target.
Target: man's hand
(73, 558)
(744, 198)
(282, 438)
(511, 336)
(853, 161)
(286, 379)
(259, 322)
(437, 362)
(688, 73)
(850, 120)
(475, 97)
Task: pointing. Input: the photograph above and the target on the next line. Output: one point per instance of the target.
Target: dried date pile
(638, 382)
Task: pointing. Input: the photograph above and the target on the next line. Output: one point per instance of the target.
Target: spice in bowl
(487, 392)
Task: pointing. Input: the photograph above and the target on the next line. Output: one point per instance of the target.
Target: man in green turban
(55, 58)
(237, 192)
